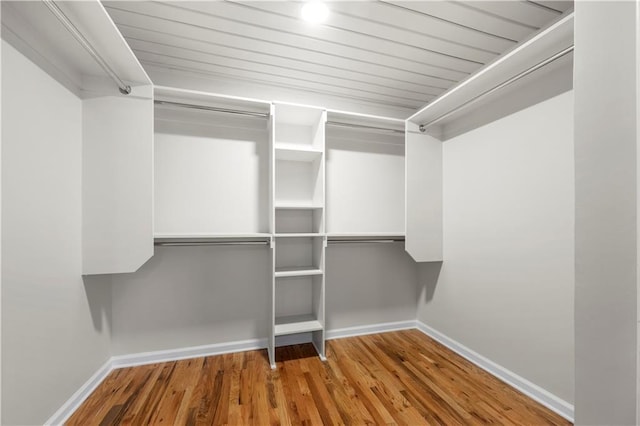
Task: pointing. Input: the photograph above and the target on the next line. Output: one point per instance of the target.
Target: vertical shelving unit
(298, 223)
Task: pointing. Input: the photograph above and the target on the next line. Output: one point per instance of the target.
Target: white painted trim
(532, 390)
(363, 330)
(164, 90)
(73, 403)
(143, 358)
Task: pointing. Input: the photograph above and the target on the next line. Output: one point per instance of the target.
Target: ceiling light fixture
(315, 12)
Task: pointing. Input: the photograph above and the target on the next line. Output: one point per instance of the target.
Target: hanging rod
(211, 243)
(124, 88)
(362, 126)
(215, 109)
(356, 239)
(513, 79)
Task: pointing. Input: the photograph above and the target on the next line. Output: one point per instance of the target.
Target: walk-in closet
(307, 212)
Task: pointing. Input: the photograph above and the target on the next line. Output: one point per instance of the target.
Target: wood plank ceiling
(401, 54)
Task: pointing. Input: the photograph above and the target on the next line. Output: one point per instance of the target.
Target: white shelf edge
(296, 324)
(293, 206)
(299, 235)
(187, 92)
(294, 154)
(304, 271)
(209, 236)
(296, 147)
(365, 234)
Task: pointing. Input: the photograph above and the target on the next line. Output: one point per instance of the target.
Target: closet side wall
(505, 289)
(55, 331)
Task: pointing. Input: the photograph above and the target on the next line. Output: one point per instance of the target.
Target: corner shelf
(296, 324)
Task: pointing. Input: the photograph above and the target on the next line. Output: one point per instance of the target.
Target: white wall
(211, 173)
(505, 289)
(365, 182)
(606, 263)
(55, 332)
(191, 296)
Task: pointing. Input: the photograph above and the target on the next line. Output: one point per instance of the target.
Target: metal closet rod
(215, 109)
(368, 240)
(365, 127)
(513, 79)
(124, 88)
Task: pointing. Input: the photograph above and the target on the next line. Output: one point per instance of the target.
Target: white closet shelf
(297, 153)
(297, 271)
(299, 235)
(364, 234)
(209, 236)
(296, 324)
(297, 206)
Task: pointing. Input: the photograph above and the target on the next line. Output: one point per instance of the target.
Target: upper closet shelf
(77, 43)
(211, 239)
(536, 69)
(176, 98)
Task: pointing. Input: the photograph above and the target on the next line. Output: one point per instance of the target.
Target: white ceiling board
(524, 12)
(398, 55)
(424, 24)
(401, 27)
(360, 34)
(469, 17)
(370, 53)
(255, 76)
(555, 5)
(139, 38)
(214, 37)
(270, 72)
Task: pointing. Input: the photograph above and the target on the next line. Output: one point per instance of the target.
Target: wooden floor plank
(403, 378)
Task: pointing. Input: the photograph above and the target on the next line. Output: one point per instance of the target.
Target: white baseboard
(73, 403)
(363, 330)
(532, 390)
(143, 358)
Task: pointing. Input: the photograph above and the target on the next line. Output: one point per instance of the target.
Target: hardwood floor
(400, 377)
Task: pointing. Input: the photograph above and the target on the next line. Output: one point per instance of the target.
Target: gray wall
(369, 284)
(55, 332)
(191, 296)
(606, 211)
(505, 289)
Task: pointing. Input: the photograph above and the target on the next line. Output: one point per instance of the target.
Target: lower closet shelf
(296, 324)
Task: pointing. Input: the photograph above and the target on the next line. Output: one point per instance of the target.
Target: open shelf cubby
(299, 182)
(299, 306)
(298, 254)
(299, 127)
(299, 221)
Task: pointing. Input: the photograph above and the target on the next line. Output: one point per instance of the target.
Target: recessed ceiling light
(315, 12)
